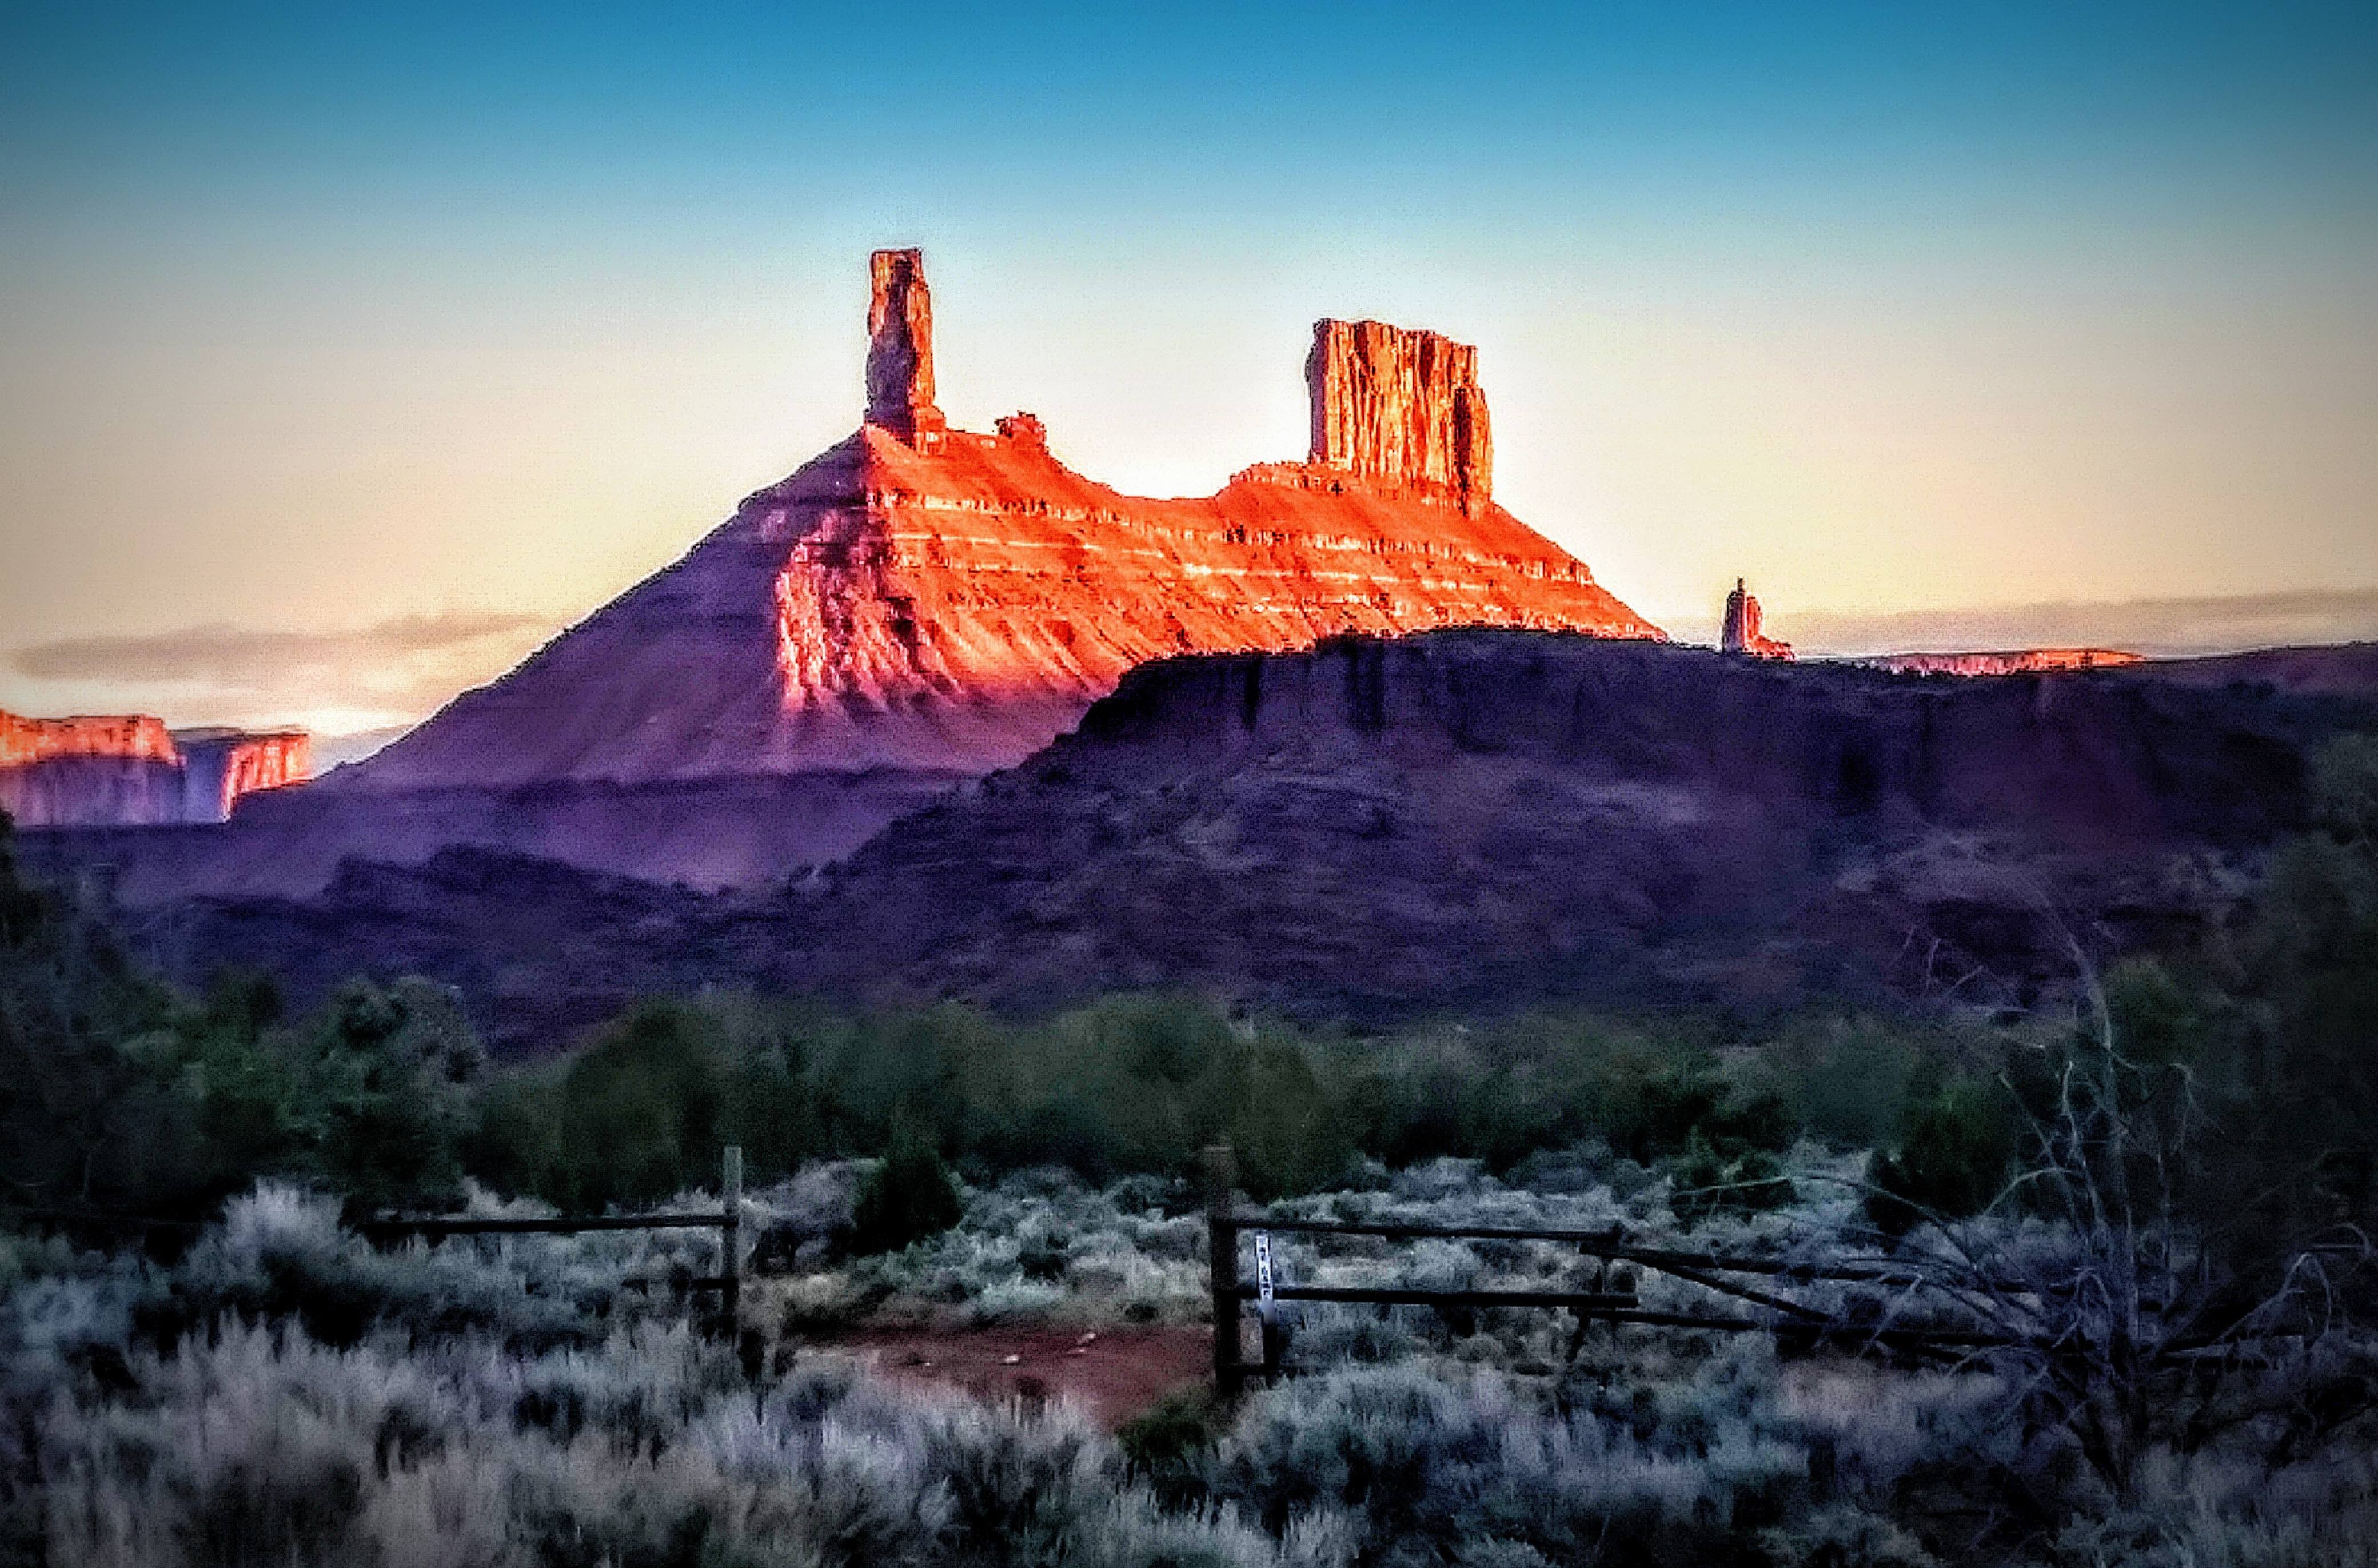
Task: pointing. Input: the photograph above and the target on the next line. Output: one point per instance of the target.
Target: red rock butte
(922, 598)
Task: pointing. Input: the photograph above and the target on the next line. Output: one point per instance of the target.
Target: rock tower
(1742, 634)
(900, 348)
(918, 604)
(1400, 407)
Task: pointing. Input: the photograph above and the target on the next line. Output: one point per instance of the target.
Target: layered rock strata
(923, 598)
(222, 767)
(1741, 633)
(130, 770)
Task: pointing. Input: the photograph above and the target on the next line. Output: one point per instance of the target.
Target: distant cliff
(131, 771)
(2019, 660)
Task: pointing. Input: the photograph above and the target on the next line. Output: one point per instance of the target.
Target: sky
(348, 353)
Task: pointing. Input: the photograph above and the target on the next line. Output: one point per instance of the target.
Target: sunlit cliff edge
(130, 770)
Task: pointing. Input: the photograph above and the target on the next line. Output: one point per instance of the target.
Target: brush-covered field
(2141, 1218)
(285, 1393)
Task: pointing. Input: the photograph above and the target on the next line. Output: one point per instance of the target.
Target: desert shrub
(645, 1108)
(2301, 1111)
(804, 1219)
(769, 1109)
(1955, 1149)
(1124, 1083)
(924, 1067)
(280, 1256)
(909, 1196)
(257, 1444)
(96, 1113)
(1169, 1442)
(1284, 1121)
(383, 1079)
(638, 1112)
(1715, 1174)
(1849, 1077)
(1127, 1084)
(1439, 1465)
(1545, 1081)
(1845, 1537)
(128, 1097)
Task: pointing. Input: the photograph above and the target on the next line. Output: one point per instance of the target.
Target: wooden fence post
(730, 1240)
(1222, 1266)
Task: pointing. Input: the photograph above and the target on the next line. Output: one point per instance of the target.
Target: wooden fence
(1614, 1299)
(726, 1219)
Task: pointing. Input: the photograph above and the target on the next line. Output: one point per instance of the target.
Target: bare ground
(1115, 1374)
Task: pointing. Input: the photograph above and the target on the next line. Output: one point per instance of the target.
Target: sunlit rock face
(1742, 634)
(900, 347)
(1400, 408)
(130, 770)
(921, 598)
(129, 737)
(220, 766)
(2014, 662)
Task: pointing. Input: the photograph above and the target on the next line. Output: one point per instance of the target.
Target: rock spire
(900, 348)
(1400, 406)
(1742, 634)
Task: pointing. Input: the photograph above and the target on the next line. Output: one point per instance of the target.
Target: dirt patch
(1115, 1374)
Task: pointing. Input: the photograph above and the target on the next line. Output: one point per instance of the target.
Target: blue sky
(313, 319)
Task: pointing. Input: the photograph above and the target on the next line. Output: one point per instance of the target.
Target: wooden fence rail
(1609, 1242)
(726, 1219)
(1614, 1300)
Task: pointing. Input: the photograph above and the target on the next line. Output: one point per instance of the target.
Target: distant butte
(921, 598)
